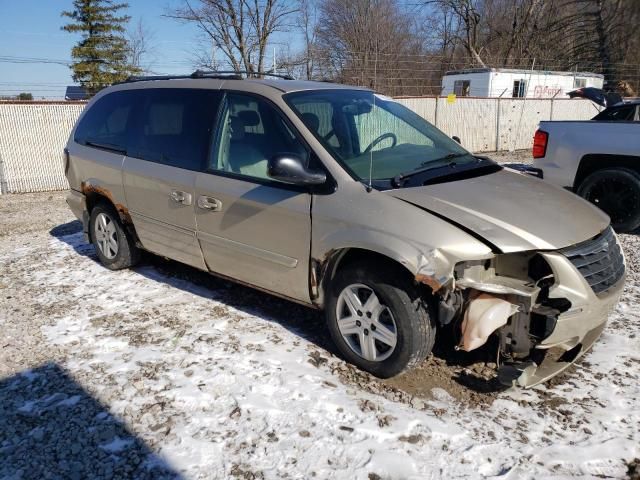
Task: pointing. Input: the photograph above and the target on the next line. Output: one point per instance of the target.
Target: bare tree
(301, 63)
(468, 16)
(141, 48)
(240, 29)
(307, 21)
(514, 32)
(591, 35)
(369, 42)
(204, 55)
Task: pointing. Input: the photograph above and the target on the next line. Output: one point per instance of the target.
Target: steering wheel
(329, 134)
(382, 137)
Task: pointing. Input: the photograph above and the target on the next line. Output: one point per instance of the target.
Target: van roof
(282, 83)
(297, 85)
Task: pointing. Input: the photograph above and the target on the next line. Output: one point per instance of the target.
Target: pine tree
(101, 57)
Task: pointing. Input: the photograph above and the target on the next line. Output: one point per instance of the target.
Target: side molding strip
(175, 228)
(248, 249)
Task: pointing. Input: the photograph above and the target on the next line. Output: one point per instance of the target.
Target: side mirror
(456, 139)
(289, 168)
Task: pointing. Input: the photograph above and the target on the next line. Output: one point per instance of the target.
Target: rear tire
(395, 335)
(115, 246)
(616, 191)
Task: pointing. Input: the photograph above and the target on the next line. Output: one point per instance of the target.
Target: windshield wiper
(450, 156)
(398, 180)
(105, 146)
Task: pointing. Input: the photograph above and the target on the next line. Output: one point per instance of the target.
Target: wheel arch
(323, 272)
(93, 198)
(415, 326)
(96, 194)
(593, 162)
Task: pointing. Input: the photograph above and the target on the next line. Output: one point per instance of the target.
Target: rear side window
(174, 126)
(106, 123)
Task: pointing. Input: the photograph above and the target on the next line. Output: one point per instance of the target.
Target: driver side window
(251, 132)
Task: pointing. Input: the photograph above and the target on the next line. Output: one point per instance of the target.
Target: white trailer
(506, 82)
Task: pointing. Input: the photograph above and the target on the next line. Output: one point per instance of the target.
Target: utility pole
(213, 54)
(3, 180)
(274, 69)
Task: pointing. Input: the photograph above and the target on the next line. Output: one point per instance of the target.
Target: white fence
(33, 135)
(495, 124)
(32, 139)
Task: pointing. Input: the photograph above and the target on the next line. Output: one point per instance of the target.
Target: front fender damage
(434, 271)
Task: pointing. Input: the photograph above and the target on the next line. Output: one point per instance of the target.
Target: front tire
(616, 191)
(115, 246)
(378, 320)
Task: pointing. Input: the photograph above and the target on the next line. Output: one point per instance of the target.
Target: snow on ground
(210, 380)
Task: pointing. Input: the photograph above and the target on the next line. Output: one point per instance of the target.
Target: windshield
(373, 136)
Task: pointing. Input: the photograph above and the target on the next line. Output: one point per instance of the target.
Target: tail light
(66, 160)
(540, 140)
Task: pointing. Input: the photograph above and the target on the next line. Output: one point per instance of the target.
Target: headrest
(250, 118)
(237, 128)
(311, 120)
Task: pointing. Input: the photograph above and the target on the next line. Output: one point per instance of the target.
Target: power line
(32, 84)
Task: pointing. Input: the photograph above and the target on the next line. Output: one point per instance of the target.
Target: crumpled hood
(514, 212)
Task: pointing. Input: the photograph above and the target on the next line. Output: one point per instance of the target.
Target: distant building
(75, 92)
(506, 82)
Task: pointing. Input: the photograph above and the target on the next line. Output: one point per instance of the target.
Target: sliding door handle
(180, 197)
(209, 203)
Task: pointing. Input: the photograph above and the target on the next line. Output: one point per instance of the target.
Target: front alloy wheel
(379, 318)
(367, 326)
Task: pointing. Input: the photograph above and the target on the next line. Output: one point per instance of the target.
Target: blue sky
(31, 28)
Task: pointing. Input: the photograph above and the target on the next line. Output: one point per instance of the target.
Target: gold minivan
(344, 200)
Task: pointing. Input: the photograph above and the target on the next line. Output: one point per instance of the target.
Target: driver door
(252, 228)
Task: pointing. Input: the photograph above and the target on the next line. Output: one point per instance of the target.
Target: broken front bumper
(576, 329)
(560, 302)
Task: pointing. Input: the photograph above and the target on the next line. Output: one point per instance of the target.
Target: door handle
(209, 203)
(180, 197)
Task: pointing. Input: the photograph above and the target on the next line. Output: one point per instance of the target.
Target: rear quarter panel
(97, 171)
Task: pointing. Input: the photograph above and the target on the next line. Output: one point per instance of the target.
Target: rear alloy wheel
(106, 236)
(115, 246)
(616, 191)
(378, 319)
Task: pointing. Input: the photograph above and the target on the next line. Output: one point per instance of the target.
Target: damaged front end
(546, 308)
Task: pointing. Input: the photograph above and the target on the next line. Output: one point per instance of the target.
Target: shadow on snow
(50, 427)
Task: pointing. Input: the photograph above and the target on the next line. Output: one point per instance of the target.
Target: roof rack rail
(223, 74)
(142, 78)
(215, 73)
(196, 74)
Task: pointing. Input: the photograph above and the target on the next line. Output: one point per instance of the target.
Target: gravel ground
(165, 371)
(517, 156)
